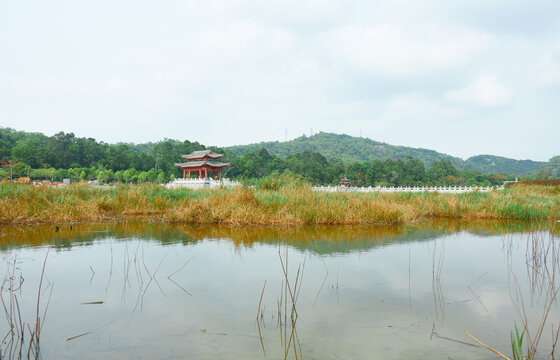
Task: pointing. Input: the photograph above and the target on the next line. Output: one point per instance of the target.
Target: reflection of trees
(319, 239)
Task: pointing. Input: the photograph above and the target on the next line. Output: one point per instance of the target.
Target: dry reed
(21, 204)
(23, 338)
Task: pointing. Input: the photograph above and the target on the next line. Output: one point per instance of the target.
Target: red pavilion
(202, 162)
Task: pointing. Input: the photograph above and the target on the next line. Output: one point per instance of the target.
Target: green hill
(64, 151)
(349, 148)
(552, 168)
(496, 164)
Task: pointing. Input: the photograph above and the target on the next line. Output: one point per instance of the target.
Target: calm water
(194, 292)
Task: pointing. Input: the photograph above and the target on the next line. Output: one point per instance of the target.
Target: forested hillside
(349, 148)
(551, 168)
(496, 164)
(64, 155)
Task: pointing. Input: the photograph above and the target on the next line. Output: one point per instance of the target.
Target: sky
(462, 77)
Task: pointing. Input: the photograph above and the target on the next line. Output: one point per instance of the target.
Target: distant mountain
(552, 168)
(350, 148)
(497, 164)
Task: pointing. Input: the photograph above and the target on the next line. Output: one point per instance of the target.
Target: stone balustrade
(441, 189)
(201, 183)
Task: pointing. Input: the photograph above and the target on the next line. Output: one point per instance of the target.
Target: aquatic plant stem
(486, 346)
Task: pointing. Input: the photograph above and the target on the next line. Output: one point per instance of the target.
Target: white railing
(442, 189)
(200, 183)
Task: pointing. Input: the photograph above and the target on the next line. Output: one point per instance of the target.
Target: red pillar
(205, 173)
(184, 173)
(199, 173)
(189, 174)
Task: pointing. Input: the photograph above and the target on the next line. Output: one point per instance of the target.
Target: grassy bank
(23, 204)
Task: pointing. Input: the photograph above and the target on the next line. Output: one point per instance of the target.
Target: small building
(201, 163)
(345, 182)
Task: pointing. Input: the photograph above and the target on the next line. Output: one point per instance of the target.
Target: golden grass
(25, 204)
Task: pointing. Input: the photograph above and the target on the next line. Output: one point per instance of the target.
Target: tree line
(65, 156)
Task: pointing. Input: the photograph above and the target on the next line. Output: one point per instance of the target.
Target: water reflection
(148, 290)
(541, 272)
(286, 312)
(319, 239)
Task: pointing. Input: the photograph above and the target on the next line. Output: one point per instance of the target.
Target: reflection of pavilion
(201, 163)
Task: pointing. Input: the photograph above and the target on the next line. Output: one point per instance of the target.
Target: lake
(153, 291)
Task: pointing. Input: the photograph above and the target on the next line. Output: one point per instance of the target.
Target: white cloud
(392, 50)
(485, 91)
(548, 71)
(247, 70)
(416, 109)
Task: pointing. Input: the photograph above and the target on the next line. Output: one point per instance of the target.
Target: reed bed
(297, 205)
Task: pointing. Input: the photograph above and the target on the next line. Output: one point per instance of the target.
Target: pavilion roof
(201, 154)
(203, 163)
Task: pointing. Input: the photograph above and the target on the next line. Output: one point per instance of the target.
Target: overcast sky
(463, 77)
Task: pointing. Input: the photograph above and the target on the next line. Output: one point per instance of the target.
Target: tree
(311, 165)
(62, 174)
(152, 175)
(164, 155)
(103, 177)
(441, 169)
(142, 177)
(130, 175)
(119, 175)
(335, 170)
(414, 171)
(30, 150)
(161, 177)
(10, 166)
(553, 167)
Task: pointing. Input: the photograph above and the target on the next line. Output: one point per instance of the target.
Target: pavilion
(202, 162)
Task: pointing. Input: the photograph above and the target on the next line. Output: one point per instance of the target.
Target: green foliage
(143, 177)
(553, 167)
(254, 164)
(496, 164)
(320, 159)
(43, 174)
(104, 176)
(345, 147)
(277, 181)
(357, 149)
(311, 165)
(517, 344)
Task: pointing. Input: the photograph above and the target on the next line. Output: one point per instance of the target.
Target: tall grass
(23, 338)
(287, 205)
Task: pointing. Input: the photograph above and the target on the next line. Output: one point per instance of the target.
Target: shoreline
(289, 206)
